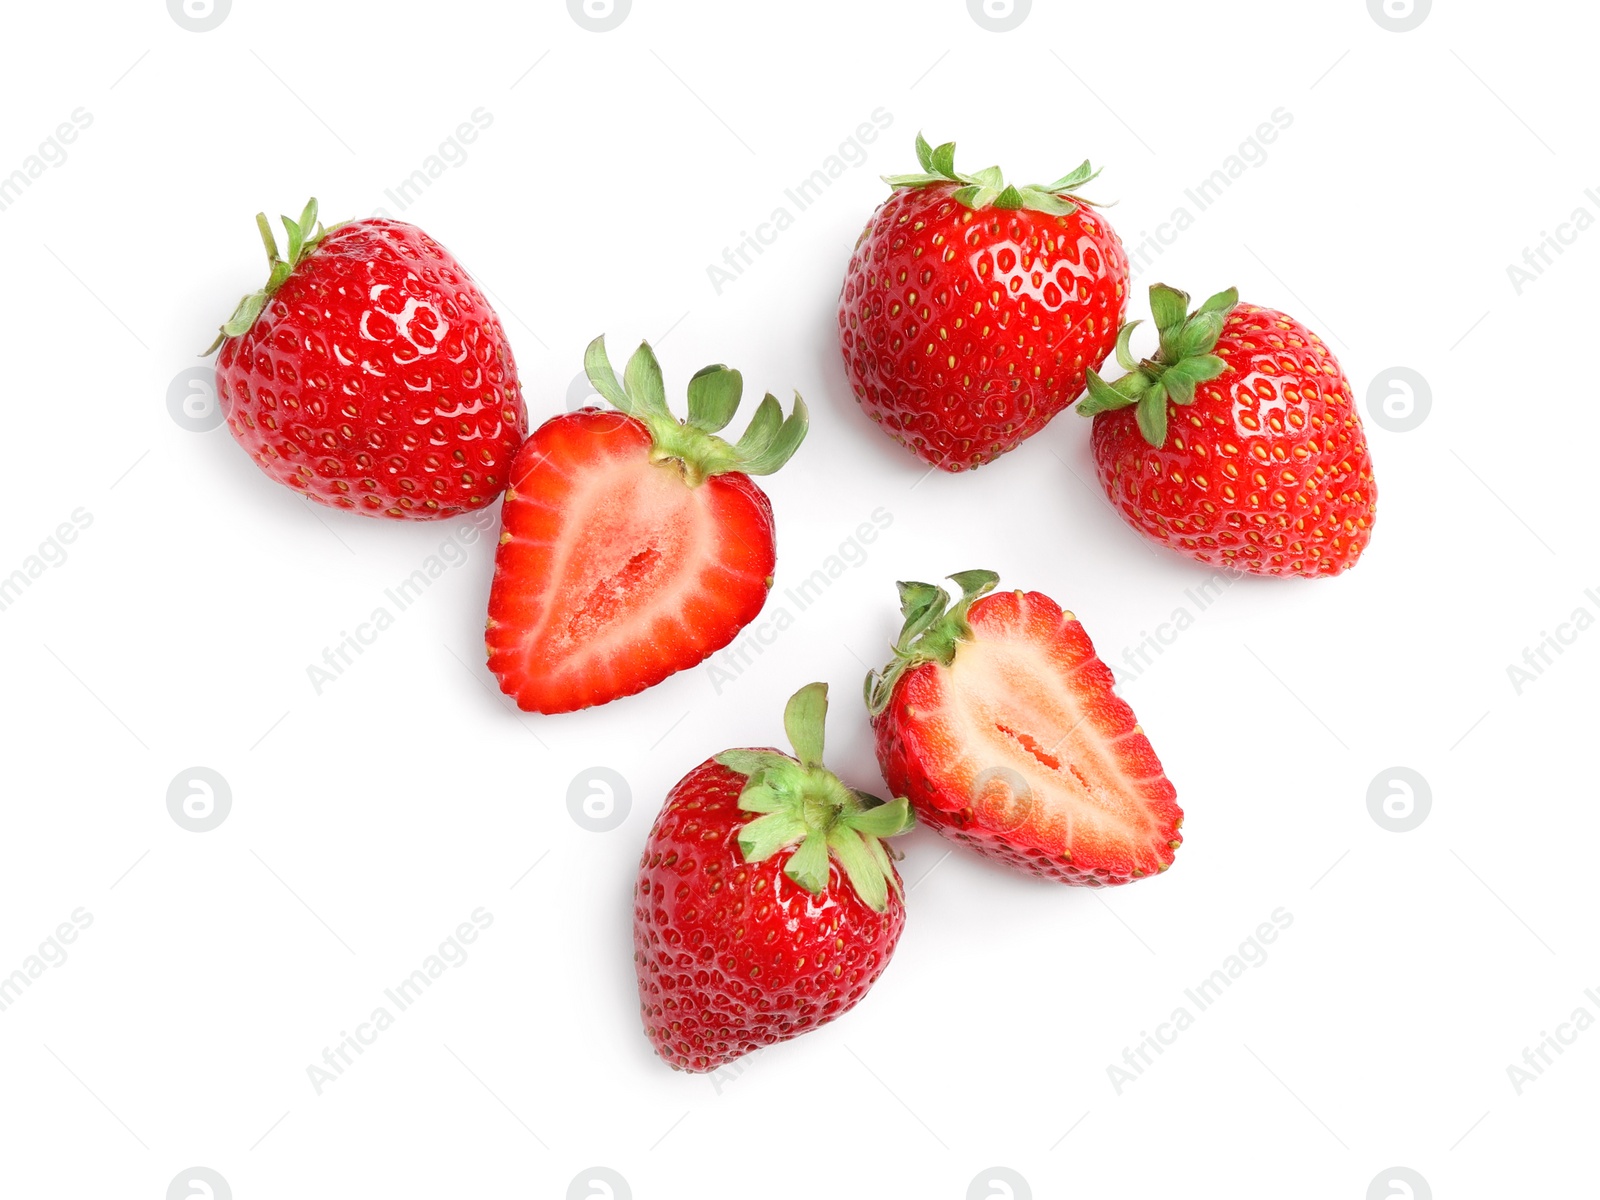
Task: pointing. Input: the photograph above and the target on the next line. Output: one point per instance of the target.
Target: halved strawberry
(633, 545)
(1000, 725)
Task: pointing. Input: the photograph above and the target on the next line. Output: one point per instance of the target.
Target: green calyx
(305, 235)
(769, 441)
(988, 188)
(934, 628)
(805, 810)
(1183, 360)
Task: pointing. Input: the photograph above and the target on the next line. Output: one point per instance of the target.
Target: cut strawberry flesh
(1028, 734)
(613, 572)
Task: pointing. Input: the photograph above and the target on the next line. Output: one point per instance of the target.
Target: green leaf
(883, 820)
(1169, 307)
(808, 866)
(1222, 302)
(714, 394)
(761, 796)
(1039, 200)
(752, 762)
(1009, 199)
(975, 196)
(297, 238)
(782, 447)
(924, 153)
(989, 177)
(271, 243)
(1181, 377)
(803, 720)
(641, 378)
(760, 839)
(899, 181)
(1152, 416)
(1180, 388)
(602, 378)
(1073, 179)
(974, 583)
(921, 604)
(944, 160)
(1102, 396)
(859, 868)
(762, 429)
(1125, 357)
(1198, 336)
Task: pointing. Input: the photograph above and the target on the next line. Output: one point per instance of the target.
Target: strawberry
(632, 544)
(370, 373)
(1000, 725)
(766, 903)
(972, 309)
(1238, 443)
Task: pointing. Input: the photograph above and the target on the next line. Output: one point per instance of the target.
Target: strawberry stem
(985, 188)
(805, 810)
(1184, 359)
(692, 445)
(305, 235)
(933, 629)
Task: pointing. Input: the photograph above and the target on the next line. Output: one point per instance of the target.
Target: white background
(369, 820)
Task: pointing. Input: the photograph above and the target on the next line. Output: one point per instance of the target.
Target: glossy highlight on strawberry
(370, 374)
(766, 903)
(999, 724)
(972, 310)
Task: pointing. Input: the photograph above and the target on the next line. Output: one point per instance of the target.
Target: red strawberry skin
(735, 956)
(612, 572)
(377, 379)
(1020, 750)
(965, 331)
(1267, 471)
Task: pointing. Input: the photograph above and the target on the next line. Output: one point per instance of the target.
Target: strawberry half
(766, 903)
(1000, 725)
(632, 544)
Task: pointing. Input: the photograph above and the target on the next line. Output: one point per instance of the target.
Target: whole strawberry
(1238, 443)
(633, 544)
(972, 309)
(370, 373)
(1000, 725)
(766, 903)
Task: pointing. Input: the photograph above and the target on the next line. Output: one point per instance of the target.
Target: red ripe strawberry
(371, 374)
(1000, 725)
(1264, 467)
(972, 309)
(766, 903)
(632, 544)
